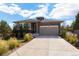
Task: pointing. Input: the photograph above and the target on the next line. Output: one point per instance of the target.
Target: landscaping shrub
(72, 38)
(13, 43)
(28, 37)
(6, 36)
(3, 47)
(63, 32)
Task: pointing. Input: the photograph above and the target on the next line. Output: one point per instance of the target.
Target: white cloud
(64, 10)
(41, 6)
(9, 9)
(41, 12)
(15, 9)
(14, 5)
(11, 25)
(25, 13)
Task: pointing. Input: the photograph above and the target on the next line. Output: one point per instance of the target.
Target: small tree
(75, 24)
(5, 29)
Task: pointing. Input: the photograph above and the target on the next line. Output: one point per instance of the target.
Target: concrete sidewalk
(47, 46)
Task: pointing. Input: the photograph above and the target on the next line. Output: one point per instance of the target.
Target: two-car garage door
(49, 30)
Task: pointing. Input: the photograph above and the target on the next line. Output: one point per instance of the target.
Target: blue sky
(56, 11)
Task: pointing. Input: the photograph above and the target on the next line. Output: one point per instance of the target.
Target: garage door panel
(49, 30)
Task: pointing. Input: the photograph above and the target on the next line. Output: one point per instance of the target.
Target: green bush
(3, 47)
(28, 37)
(6, 36)
(63, 32)
(13, 43)
(72, 38)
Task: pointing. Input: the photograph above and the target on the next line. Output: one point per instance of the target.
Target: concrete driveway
(46, 46)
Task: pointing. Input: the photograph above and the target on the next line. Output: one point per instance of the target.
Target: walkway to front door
(46, 46)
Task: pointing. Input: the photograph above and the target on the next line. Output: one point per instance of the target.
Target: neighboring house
(42, 26)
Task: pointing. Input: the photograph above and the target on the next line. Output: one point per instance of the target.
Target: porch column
(59, 29)
(29, 26)
(37, 27)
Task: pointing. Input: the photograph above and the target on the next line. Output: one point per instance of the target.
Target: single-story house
(42, 26)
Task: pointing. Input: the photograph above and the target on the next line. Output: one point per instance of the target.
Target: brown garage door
(49, 30)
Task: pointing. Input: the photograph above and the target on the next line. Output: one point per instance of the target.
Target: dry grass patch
(3, 47)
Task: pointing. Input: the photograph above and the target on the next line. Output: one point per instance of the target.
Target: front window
(29, 25)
